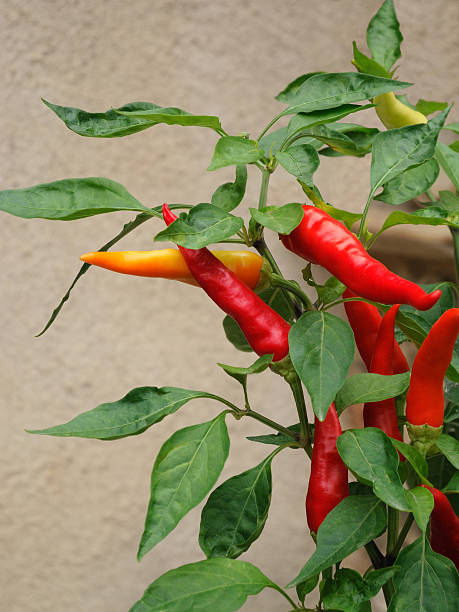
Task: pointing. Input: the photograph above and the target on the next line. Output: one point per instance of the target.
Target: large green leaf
(290, 91)
(205, 224)
(172, 116)
(302, 121)
(279, 219)
(134, 413)
(205, 586)
(109, 124)
(301, 160)
(185, 470)
(361, 388)
(394, 151)
(69, 199)
(231, 150)
(332, 89)
(229, 195)
(449, 161)
(410, 183)
(370, 455)
(354, 522)
(321, 350)
(426, 581)
(236, 512)
(384, 36)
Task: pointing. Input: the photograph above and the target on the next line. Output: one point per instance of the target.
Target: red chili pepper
(328, 483)
(321, 239)
(365, 321)
(444, 527)
(425, 401)
(266, 331)
(383, 414)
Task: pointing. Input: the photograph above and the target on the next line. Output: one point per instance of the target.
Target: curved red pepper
(328, 483)
(425, 400)
(365, 321)
(383, 414)
(266, 331)
(321, 239)
(444, 527)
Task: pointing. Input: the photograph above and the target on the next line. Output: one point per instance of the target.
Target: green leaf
(204, 225)
(132, 414)
(271, 143)
(229, 195)
(454, 146)
(231, 150)
(354, 522)
(302, 121)
(185, 470)
(278, 439)
(306, 587)
(449, 201)
(410, 183)
(453, 484)
(301, 160)
(346, 217)
(384, 36)
(290, 91)
(321, 350)
(449, 447)
(426, 581)
(280, 219)
(104, 125)
(336, 139)
(69, 199)
(275, 298)
(369, 454)
(207, 586)
(414, 457)
(449, 161)
(333, 89)
(421, 502)
(427, 107)
(394, 151)
(236, 512)
(347, 590)
(367, 65)
(240, 374)
(361, 388)
(433, 215)
(331, 290)
(172, 116)
(453, 127)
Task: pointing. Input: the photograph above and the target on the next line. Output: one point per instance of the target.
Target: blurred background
(73, 510)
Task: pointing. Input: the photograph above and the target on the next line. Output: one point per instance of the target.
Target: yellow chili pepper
(170, 264)
(395, 114)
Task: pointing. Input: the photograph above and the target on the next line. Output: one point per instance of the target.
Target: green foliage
(361, 388)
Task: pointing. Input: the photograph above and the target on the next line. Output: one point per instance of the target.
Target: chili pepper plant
(366, 482)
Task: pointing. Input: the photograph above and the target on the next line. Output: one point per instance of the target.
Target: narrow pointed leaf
(302, 121)
(426, 581)
(421, 503)
(384, 36)
(131, 415)
(354, 522)
(207, 586)
(172, 116)
(449, 447)
(185, 470)
(236, 512)
(366, 64)
(290, 91)
(321, 350)
(69, 199)
(414, 457)
(427, 107)
(229, 195)
(370, 455)
(361, 388)
(449, 161)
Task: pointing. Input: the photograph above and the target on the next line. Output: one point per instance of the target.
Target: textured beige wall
(73, 510)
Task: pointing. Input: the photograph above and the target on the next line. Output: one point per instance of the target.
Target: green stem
(305, 437)
(455, 236)
(265, 176)
(287, 597)
(279, 281)
(232, 241)
(262, 419)
(270, 124)
(376, 557)
(402, 535)
(392, 534)
(430, 195)
(365, 213)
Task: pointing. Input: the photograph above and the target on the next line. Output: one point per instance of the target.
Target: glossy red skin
(383, 414)
(425, 400)
(444, 527)
(365, 321)
(266, 331)
(323, 240)
(328, 483)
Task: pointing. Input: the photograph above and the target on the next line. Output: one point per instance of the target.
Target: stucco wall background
(72, 510)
